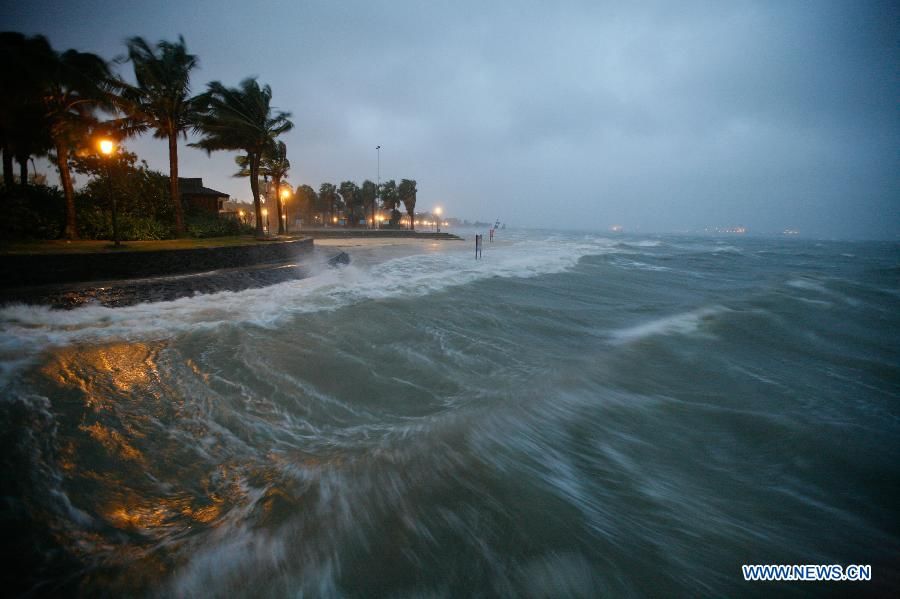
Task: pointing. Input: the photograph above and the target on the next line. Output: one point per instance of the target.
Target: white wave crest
(686, 323)
(29, 329)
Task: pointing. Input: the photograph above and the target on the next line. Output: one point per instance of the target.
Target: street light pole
(267, 195)
(378, 184)
(106, 148)
(284, 194)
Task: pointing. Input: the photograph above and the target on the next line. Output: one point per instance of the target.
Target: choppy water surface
(573, 415)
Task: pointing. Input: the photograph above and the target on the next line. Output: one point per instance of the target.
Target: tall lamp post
(107, 147)
(437, 221)
(284, 194)
(378, 183)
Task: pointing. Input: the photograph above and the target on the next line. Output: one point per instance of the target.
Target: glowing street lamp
(284, 194)
(265, 213)
(107, 147)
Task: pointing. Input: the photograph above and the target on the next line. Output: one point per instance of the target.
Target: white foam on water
(686, 323)
(647, 243)
(641, 265)
(27, 330)
(807, 285)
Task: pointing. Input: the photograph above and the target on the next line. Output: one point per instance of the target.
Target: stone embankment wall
(18, 270)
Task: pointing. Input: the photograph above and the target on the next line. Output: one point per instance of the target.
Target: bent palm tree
(241, 119)
(74, 85)
(274, 164)
(161, 101)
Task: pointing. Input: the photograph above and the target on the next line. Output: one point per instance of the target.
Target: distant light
(437, 210)
(107, 146)
(285, 193)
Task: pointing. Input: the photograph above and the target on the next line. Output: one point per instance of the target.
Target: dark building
(197, 198)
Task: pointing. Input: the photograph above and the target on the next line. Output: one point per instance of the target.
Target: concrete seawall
(18, 270)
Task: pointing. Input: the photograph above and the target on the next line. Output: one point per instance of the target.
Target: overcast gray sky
(658, 116)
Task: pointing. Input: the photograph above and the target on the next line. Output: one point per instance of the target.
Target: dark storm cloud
(653, 115)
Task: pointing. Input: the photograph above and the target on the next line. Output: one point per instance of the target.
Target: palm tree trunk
(412, 220)
(254, 189)
(23, 170)
(173, 185)
(276, 185)
(7, 167)
(62, 163)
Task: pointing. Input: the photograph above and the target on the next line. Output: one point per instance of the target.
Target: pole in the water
(479, 239)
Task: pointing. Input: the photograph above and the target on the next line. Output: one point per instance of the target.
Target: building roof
(194, 186)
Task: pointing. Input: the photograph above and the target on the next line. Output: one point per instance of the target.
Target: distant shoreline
(377, 234)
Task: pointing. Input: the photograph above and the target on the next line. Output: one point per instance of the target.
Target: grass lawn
(105, 246)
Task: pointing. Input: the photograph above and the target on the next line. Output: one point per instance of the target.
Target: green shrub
(207, 225)
(32, 212)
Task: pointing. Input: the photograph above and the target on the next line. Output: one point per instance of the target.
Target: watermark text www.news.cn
(806, 572)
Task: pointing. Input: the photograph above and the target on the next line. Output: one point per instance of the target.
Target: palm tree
(20, 89)
(329, 197)
(74, 84)
(353, 201)
(368, 194)
(277, 165)
(274, 164)
(407, 192)
(28, 137)
(162, 101)
(390, 200)
(24, 131)
(241, 119)
(307, 201)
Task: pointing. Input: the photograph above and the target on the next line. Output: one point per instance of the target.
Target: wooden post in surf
(478, 243)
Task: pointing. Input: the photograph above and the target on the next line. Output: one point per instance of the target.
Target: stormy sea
(573, 415)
